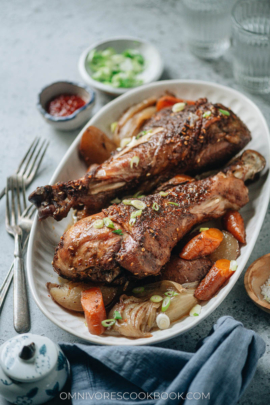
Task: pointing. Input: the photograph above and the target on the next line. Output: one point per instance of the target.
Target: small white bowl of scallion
(118, 65)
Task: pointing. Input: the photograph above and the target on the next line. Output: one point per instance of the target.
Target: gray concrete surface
(40, 43)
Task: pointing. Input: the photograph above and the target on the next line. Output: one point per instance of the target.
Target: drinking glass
(207, 26)
(251, 44)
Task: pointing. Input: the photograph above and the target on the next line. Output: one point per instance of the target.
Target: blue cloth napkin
(217, 373)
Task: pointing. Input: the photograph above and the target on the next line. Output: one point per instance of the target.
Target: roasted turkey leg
(87, 253)
(181, 142)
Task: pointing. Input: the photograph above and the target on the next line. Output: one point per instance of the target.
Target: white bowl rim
(222, 293)
(114, 90)
(70, 117)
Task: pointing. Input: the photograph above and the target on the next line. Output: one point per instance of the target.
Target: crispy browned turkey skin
(87, 253)
(180, 142)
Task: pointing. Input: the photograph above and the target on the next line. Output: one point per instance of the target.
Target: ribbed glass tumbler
(207, 26)
(251, 44)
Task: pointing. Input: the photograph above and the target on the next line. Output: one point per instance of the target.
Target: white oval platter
(46, 235)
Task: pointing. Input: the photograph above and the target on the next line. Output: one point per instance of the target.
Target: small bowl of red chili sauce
(66, 105)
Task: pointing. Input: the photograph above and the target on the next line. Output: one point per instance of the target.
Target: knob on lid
(28, 358)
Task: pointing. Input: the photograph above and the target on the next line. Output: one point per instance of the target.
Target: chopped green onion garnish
(163, 321)
(171, 293)
(207, 114)
(178, 107)
(136, 194)
(124, 142)
(118, 232)
(108, 322)
(165, 304)
(195, 311)
(203, 229)
(224, 112)
(135, 214)
(233, 265)
(163, 194)
(116, 201)
(113, 126)
(140, 205)
(155, 206)
(141, 196)
(127, 202)
(108, 223)
(138, 290)
(117, 315)
(134, 161)
(173, 203)
(132, 221)
(98, 224)
(116, 69)
(156, 298)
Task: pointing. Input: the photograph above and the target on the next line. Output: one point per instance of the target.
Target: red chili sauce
(64, 105)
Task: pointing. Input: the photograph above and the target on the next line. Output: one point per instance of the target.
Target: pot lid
(28, 357)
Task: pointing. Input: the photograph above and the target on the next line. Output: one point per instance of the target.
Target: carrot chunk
(215, 278)
(94, 310)
(169, 101)
(202, 245)
(234, 223)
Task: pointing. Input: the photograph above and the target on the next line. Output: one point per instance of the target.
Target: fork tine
(17, 185)
(13, 215)
(7, 203)
(28, 160)
(37, 161)
(26, 212)
(33, 210)
(23, 193)
(26, 155)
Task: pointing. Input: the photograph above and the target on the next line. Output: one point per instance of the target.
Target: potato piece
(95, 146)
(68, 294)
(228, 249)
(185, 271)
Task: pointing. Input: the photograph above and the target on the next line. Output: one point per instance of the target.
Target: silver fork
(25, 223)
(21, 316)
(30, 163)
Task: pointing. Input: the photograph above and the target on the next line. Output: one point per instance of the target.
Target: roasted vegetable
(169, 101)
(202, 245)
(68, 294)
(94, 310)
(131, 121)
(234, 223)
(228, 249)
(139, 312)
(185, 271)
(221, 271)
(95, 146)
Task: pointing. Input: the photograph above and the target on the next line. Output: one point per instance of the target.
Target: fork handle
(3, 192)
(21, 315)
(5, 286)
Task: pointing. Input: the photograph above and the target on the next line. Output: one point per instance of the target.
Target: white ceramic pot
(33, 369)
